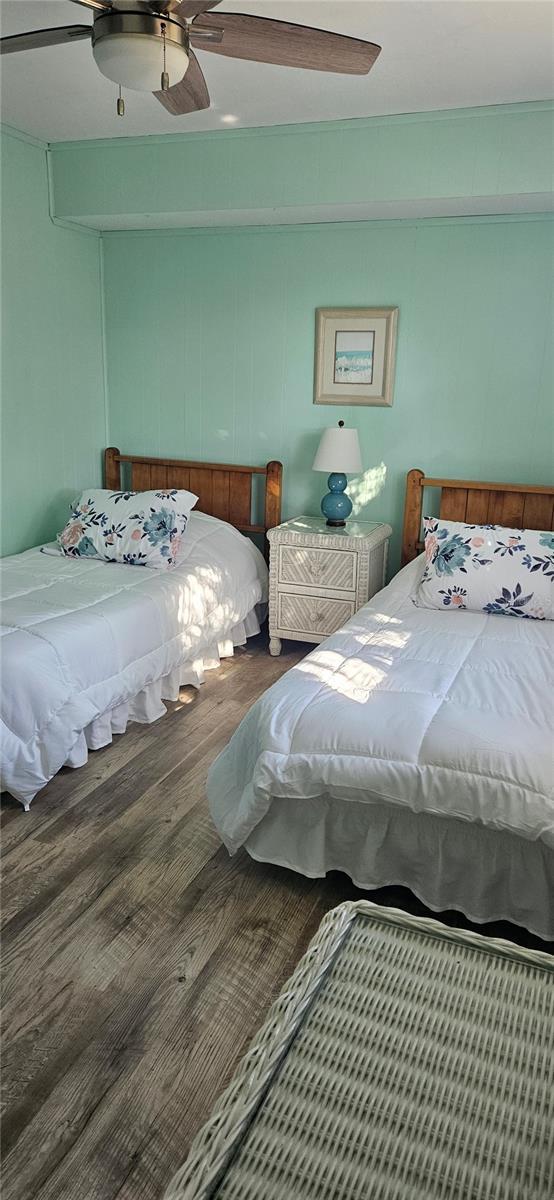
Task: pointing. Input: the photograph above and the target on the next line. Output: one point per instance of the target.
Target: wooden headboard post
(273, 487)
(112, 469)
(224, 490)
(515, 505)
(412, 515)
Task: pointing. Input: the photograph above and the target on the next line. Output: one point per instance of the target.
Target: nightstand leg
(275, 646)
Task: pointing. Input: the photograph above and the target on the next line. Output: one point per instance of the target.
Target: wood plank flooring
(138, 958)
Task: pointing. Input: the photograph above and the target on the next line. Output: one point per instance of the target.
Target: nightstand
(320, 576)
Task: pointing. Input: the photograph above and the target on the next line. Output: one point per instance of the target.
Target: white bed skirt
(148, 705)
(486, 874)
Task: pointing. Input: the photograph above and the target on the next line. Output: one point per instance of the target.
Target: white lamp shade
(338, 450)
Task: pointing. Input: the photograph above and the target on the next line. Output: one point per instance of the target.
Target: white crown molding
(20, 136)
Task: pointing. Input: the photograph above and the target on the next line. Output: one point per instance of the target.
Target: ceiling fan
(149, 46)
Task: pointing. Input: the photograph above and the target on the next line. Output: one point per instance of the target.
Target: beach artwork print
(354, 356)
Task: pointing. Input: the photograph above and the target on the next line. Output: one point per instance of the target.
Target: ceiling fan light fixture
(128, 48)
(144, 45)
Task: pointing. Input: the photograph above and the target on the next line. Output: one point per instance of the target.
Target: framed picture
(354, 355)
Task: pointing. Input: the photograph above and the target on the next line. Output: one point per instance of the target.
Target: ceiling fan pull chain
(120, 104)
(165, 76)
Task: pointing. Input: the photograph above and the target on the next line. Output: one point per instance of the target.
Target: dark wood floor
(138, 958)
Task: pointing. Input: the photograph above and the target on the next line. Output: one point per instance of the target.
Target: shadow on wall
(365, 487)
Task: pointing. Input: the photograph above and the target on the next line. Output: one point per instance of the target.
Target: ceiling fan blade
(283, 44)
(188, 9)
(189, 95)
(98, 5)
(44, 37)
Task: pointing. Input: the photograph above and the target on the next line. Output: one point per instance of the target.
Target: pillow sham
(487, 568)
(137, 528)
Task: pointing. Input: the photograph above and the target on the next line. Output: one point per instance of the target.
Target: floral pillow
(487, 568)
(142, 529)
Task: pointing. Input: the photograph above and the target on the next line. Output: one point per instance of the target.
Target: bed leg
(275, 646)
(27, 806)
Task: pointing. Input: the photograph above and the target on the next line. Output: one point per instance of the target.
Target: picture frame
(355, 351)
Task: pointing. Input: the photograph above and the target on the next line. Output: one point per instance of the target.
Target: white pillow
(138, 528)
(487, 568)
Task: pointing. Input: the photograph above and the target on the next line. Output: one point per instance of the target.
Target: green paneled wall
(53, 421)
(434, 157)
(210, 340)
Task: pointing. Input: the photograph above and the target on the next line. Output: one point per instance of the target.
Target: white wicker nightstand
(320, 576)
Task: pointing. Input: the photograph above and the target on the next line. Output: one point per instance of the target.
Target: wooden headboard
(224, 490)
(510, 504)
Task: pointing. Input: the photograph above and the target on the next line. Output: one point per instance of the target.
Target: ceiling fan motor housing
(128, 48)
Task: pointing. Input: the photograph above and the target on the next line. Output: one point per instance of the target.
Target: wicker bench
(402, 1061)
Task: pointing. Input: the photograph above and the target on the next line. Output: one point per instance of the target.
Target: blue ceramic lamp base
(336, 506)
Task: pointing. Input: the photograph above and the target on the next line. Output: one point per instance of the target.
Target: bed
(408, 748)
(88, 645)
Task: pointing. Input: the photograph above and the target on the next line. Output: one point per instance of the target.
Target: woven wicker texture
(315, 614)
(318, 568)
(421, 1067)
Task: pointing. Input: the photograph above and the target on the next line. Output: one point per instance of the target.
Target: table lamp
(338, 452)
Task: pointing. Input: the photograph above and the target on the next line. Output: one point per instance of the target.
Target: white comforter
(80, 638)
(447, 713)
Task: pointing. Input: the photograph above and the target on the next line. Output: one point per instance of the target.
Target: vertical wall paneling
(231, 317)
(53, 418)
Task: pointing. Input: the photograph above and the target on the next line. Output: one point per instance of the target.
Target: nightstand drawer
(312, 614)
(318, 568)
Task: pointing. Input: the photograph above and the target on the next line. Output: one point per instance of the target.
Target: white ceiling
(436, 54)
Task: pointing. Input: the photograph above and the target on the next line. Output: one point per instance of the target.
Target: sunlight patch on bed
(330, 659)
(351, 677)
(199, 596)
(384, 619)
(389, 637)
